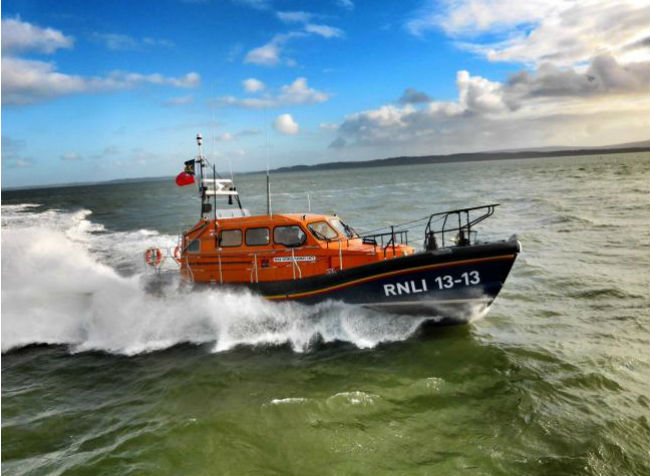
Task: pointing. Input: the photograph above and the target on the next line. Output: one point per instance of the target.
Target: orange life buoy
(153, 256)
(177, 254)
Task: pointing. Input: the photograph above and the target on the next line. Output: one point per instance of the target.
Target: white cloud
(285, 124)
(605, 103)
(294, 94)
(157, 42)
(228, 137)
(478, 94)
(474, 16)
(347, 4)
(116, 41)
(324, 30)
(253, 85)
(19, 36)
(299, 93)
(294, 17)
(267, 55)
(120, 42)
(271, 53)
(536, 31)
(29, 81)
(604, 76)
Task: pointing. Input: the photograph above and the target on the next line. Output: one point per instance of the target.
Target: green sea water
(101, 377)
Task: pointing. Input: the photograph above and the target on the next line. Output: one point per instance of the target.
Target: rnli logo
(406, 287)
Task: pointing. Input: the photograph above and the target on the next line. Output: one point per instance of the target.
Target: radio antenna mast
(269, 208)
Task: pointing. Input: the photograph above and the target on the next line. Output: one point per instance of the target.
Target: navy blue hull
(450, 284)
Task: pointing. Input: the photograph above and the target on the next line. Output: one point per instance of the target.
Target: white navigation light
(199, 139)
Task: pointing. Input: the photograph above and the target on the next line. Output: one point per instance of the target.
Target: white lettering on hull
(406, 287)
(289, 259)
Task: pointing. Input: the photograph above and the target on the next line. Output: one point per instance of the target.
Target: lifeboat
(309, 257)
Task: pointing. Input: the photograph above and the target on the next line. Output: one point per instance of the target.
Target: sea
(101, 376)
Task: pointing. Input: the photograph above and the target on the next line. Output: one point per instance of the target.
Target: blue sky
(104, 90)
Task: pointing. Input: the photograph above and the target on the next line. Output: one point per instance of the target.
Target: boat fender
(176, 254)
(153, 256)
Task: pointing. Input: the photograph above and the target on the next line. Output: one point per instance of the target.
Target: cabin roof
(275, 219)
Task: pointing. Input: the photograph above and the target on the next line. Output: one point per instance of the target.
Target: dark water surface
(101, 377)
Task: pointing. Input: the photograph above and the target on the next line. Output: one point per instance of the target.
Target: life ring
(176, 254)
(153, 257)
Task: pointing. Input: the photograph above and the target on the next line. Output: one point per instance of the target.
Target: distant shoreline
(388, 162)
(461, 157)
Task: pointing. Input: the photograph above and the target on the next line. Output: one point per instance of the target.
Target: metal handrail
(464, 233)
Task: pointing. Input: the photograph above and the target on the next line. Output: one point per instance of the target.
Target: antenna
(199, 142)
(269, 209)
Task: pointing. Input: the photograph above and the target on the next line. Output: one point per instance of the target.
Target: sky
(100, 90)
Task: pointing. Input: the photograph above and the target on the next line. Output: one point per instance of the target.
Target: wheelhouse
(278, 247)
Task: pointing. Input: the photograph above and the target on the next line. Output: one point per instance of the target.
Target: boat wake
(60, 285)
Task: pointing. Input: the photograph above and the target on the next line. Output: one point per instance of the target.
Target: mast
(209, 188)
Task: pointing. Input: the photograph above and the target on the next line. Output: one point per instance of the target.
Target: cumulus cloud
(603, 76)
(285, 124)
(253, 85)
(21, 37)
(478, 94)
(30, 81)
(548, 106)
(299, 93)
(294, 94)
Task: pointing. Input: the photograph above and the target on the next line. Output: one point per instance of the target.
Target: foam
(61, 286)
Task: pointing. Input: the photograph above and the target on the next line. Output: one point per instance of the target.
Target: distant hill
(642, 146)
(557, 151)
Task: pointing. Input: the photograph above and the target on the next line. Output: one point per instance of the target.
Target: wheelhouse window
(289, 235)
(343, 229)
(230, 238)
(322, 230)
(194, 246)
(257, 236)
